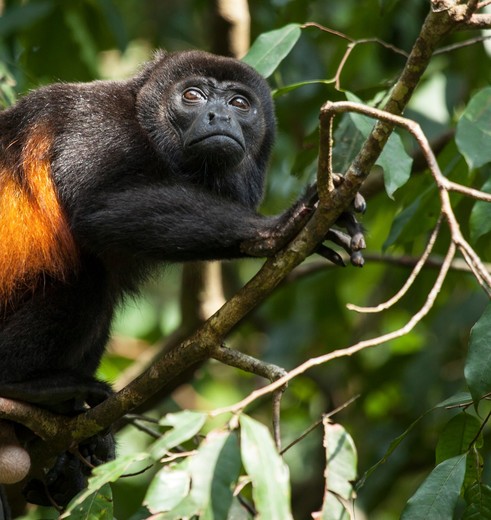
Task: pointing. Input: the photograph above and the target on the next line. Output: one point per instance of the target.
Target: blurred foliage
(42, 41)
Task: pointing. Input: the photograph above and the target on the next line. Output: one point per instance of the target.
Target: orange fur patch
(34, 234)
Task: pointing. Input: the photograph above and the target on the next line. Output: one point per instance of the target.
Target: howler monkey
(100, 182)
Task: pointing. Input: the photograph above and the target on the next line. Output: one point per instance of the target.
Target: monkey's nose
(216, 116)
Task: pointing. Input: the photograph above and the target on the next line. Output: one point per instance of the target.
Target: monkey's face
(215, 121)
(207, 114)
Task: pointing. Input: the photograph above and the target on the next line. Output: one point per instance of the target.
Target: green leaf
(413, 219)
(473, 136)
(340, 472)
(142, 514)
(293, 86)
(115, 21)
(457, 436)
(458, 399)
(185, 425)
(392, 446)
(19, 17)
(167, 489)
(480, 220)
(461, 435)
(478, 498)
(268, 472)
(96, 506)
(477, 369)
(204, 472)
(270, 48)
(203, 467)
(7, 84)
(394, 159)
(225, 475)
(436, 498)
(347, 142)
(83, 37)
(95, 495)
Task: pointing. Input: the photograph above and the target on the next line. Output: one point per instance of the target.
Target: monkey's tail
(4, 507)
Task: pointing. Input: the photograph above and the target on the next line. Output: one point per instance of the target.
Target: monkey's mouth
(215, 142)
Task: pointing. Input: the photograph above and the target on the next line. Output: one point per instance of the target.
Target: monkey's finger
(359, 203)
(330, 254)
(344, 240)
(355, 230)
(357, 259)
(311, 197)
(337, 179)
(339, 238)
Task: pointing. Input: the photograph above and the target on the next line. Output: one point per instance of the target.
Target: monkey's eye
(240, 102)
(193, 95)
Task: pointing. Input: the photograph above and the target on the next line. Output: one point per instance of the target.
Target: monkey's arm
(180, 223)
(172, 223)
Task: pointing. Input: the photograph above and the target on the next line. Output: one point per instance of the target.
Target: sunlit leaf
(268, 472)
(270, 48)
(341, 461)
(225, 475)
(96, 506)
(201, 469)
(112, 470)
(185, 425)
(102, 475)
(167, 489)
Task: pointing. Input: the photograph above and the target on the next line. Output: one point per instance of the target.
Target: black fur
(131, 199)
(139, 186)
(166, 167)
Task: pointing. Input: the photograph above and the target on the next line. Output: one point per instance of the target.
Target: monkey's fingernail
(357, 259)
(359, 203)
(357, 242)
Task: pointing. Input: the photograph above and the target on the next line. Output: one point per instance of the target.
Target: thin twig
(470, 192)
(349, 351)
(317, 423)
(351, 45)
(477, 21)
(409, 282)
(383, 43)
(277, 395)
(460, 45)
(473, 260)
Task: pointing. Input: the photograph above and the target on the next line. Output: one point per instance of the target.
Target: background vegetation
(396, 383)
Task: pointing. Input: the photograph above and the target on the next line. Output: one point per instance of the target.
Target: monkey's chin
(217, 150)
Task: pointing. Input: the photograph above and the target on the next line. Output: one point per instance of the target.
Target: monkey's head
(208, 114)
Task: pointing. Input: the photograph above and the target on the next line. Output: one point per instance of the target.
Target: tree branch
(203, 343)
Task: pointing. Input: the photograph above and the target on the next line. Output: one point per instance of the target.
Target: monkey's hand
(278, 231)
(353, 242)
